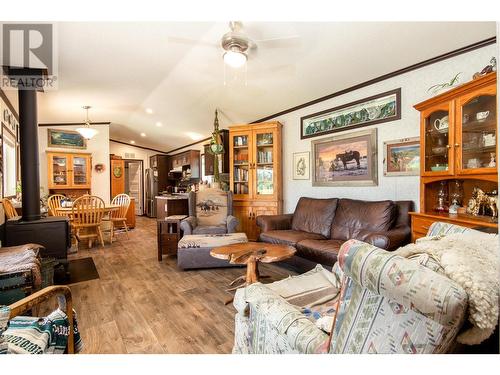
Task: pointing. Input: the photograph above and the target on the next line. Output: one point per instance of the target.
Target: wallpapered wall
(414, 87)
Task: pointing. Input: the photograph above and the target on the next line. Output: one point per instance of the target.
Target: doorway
(134, 183)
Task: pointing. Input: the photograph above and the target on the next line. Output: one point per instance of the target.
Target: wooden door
(476, 132)
(243, 214)
(81, 171)
(117, 177)
(59, 170)
(240, 145)
(437, 140)
(258, 211)
(265, 168)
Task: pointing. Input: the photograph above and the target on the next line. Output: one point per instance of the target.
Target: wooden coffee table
(251, 253)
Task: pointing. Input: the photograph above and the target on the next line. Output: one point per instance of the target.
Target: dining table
(68, 211)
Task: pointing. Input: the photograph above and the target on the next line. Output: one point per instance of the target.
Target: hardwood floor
(139, 305)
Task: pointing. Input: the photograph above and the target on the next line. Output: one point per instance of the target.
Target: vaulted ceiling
(175, 70)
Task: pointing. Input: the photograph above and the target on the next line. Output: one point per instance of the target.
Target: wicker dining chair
(9, 209)
(119, 216)
(87, 213)
(53, 203)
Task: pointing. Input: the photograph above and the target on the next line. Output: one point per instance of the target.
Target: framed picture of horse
(345, 160)
(375, 109)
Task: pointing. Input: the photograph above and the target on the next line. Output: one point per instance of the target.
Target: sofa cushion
(319, 251)
(354, 218)
(288, 237)
(210, 229)
(314, 215)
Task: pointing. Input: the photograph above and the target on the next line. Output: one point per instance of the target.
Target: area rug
(80, 270)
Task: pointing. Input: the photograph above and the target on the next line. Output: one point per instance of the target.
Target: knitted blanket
(29, 335)
(472, 261)
(25, 260)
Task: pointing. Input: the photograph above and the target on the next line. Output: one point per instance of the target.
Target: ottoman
(193, 251)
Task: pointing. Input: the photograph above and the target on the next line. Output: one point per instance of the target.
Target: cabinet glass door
(241, 164)
(80, 176)
(478, 135)
(437, 142)
(60, 170)
(264, 163)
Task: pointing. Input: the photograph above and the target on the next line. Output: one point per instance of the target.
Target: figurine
(441, 86)
(480, 199)
(493, 162)
(492, 67)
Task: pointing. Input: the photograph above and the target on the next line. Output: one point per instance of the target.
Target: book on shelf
(265, 157)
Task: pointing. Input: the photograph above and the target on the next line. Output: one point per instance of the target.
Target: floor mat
(80, 270)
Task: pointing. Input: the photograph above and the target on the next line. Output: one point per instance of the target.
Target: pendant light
(86, 131)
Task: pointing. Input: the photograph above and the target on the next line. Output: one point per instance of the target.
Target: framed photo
(301, 165)
(376, 109)
(402, 157)
(346, 159)
(65, 139)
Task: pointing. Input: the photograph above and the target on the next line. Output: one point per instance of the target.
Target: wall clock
(117, 171)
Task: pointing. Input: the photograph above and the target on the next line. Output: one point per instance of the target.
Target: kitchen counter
(173, 196)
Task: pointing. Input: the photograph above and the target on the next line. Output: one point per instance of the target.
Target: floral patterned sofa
(389, 304)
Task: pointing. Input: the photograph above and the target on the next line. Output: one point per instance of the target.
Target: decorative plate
(117, 171)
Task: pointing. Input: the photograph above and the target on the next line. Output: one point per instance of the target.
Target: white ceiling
(120, 69)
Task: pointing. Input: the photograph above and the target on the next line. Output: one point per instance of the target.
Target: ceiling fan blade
(285, 42)
(191, 42)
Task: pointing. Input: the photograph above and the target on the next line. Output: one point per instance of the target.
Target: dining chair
(87, 213)
(9, 209)
(53, 203)
(120, 215)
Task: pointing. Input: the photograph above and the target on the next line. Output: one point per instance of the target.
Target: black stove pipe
(30, 164)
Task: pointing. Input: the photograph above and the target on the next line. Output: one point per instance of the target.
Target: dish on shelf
(439, 150)
(439, 168)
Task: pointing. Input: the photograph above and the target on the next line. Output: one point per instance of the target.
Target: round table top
(107, 207)
(273, 252)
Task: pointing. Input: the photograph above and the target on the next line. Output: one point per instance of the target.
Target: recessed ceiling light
(143, 134)
(194, 136)
(159, 124)
(149, 111)
(133, 142)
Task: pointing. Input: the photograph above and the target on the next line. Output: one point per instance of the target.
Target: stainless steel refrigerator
(156, 181)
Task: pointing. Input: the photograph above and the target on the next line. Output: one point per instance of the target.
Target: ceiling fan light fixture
(86, 131)
(234, 58)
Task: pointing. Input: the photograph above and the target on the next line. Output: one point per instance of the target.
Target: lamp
(216, 147)
(86, 131)
(235, 58)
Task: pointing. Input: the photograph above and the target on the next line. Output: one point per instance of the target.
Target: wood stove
(51, 232)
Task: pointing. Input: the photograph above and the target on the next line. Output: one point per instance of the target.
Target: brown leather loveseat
(318, 227)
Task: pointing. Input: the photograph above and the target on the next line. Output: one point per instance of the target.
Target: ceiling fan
(238, 47)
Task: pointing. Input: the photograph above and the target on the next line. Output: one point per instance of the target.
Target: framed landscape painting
(346, 160)
(65, 139)
(402, 157)
(376, 109)
(301, 165)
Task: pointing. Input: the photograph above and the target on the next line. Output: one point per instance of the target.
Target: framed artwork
(65, 139)
(402, 157)
(376, 109)
(346, 160)
(301, 165)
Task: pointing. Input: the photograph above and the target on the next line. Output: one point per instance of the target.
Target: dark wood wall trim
(471, 47)
(137, 146)
(73, 123)
(9, 104)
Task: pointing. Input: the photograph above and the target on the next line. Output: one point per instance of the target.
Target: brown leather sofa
(318, 228)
